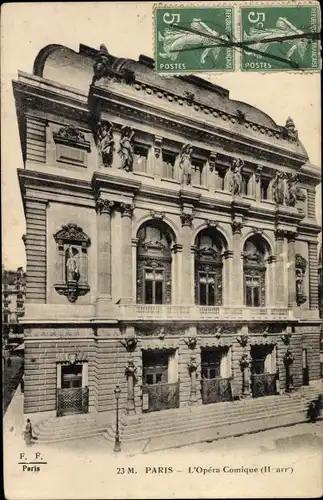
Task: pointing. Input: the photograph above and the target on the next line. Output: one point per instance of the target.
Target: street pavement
(279, 462)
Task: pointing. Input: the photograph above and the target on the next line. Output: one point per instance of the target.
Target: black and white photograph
(161, 259)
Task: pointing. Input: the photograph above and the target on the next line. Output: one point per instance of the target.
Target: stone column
(313, 274)
(177, 274)
(126, 254)
(272, 281)
(131, 374)
(291, 236)
(228, 281)
(246, 374)
(237, 276)
(187, 271)
(104, 208)
(192, 368)
(280, 268)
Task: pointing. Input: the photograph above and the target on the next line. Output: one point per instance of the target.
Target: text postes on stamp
(280, 38)
(194, 39)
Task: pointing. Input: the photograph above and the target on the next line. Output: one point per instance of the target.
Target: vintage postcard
(162, 250)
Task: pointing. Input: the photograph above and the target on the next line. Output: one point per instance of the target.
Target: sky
(127, 30)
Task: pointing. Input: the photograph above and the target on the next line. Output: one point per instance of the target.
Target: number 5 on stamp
(280, 38)
(193, 39)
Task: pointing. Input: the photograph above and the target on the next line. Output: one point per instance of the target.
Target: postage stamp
(194, 39)
(280, 38)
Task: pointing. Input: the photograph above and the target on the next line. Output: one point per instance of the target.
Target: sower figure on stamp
(185, 164)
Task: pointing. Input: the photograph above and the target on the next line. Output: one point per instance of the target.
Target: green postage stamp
(271, 36)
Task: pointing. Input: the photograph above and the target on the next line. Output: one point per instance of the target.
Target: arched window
(154, 263)
(255, 253)
(208, 268)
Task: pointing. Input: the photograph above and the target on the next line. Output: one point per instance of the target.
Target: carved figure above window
(105, 141)
(300, 270)
(70, 134)
(72, 264)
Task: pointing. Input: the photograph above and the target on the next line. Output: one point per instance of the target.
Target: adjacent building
(13, 304)
(171, 240)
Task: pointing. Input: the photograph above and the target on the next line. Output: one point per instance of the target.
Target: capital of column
(104, 206)
(186, 219)
(280, 234)
(228, 254)
(177, 248)
(271, 259)
(126, 209)
(291, 236)
(236, 226)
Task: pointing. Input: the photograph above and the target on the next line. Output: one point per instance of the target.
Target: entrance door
(306, 378)
(71, 396)
(215, 386)
(263, 374)
(160, 389)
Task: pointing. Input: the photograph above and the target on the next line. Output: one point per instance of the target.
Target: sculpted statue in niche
(236, 183)
(105, 143)
(291, 194)
(185, 164)
(300, 270)
(279, 188)
(72, 269)
(126, 150)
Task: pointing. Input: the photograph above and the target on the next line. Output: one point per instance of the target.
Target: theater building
(171, 240)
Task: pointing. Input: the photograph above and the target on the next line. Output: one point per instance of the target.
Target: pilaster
(280, 268)
(237, 265)
(126, 210)
(291, 236)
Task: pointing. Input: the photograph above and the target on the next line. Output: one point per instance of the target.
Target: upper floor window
(264, 188)
(72, 146)
(208, 268)
(154, 263)
(246, 185)
(140, 162)
(169, 158)
(197, 172)
(254, 271)
(221, 174)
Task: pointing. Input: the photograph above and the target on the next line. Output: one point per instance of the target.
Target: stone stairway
(55, 430)
(179, 427)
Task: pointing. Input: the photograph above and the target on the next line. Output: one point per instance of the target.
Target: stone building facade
(13, 305)
(171, 240)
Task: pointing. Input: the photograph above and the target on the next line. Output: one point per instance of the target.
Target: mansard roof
(75, 69)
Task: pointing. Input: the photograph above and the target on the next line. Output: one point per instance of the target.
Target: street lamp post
(117, 446)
